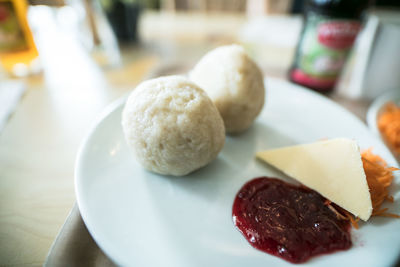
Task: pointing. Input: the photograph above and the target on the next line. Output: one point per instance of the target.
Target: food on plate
(379, 178)
(172, 126)
(333, 168)
(235, 84)
(299, 222)
(389, 126)
(288, 221)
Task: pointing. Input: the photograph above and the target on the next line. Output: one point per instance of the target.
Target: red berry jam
(288, 221)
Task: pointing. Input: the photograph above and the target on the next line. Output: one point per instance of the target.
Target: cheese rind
(333, 168)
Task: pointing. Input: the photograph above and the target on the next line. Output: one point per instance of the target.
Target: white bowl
(376, 109)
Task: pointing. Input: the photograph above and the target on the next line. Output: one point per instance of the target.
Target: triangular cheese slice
(333, 168)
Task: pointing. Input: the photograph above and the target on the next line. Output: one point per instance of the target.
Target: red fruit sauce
(288, 221)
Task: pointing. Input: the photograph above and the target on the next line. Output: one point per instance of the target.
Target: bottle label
(338, 34)
(12, 37)
(323, 50)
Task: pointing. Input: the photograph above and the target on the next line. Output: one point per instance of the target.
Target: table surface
(40, 141)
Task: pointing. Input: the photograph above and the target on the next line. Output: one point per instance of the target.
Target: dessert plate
(140, 218)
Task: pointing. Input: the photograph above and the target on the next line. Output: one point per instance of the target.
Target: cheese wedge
(333, 168)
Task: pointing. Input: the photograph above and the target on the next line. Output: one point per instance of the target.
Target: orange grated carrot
(389, 126)
(379, 178)
(353, 220)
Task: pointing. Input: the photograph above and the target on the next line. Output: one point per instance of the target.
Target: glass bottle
(329, 31)
(18, 53)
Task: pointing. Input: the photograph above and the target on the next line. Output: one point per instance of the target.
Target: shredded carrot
(353, 220)
(379, 178)
(342, 214)
(336, 210)
(389, 126)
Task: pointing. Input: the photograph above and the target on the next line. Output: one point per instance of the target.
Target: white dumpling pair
(176, 125)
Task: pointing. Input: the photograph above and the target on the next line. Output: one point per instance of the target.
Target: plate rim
(110, 108)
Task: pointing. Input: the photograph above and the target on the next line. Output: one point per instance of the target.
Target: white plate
(142, 219)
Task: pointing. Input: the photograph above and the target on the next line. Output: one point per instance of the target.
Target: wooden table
(39, 144)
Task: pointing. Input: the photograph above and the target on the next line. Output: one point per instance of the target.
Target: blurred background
(47, 38)
(63, 61)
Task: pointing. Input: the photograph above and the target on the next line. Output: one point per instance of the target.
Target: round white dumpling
(235, 84)
(172, 126)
